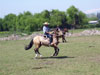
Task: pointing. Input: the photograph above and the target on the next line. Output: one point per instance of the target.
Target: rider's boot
(51, 43)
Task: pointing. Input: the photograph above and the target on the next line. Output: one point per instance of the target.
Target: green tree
(72, 14)
(57, 18)
(9, 22)
(23, 21)
(82, 20)
(45, 15)
(1, 25)
(75, 17)
(28, 22)
(38, 19)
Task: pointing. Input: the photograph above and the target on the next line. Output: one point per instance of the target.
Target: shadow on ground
(57, 57)
(39, 67)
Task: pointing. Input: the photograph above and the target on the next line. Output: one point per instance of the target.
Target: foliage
(98, 25)
(9, 22)
(57, 18)
(27, 22)
(75, 17)
(1, 25)
(72, 13)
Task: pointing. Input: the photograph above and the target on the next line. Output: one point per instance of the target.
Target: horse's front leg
(56, 51)
(63, 39)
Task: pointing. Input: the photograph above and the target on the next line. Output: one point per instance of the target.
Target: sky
(37, 6)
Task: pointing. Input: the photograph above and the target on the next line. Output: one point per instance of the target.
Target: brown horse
(38, 41)
(61, 33)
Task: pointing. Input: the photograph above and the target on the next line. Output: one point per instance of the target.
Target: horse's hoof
(40, 55)
(55, 55)
(51, 55)
(35, 58)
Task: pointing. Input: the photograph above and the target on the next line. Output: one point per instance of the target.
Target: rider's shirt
(45, 29)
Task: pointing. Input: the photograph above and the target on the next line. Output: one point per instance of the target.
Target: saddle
(47, 38)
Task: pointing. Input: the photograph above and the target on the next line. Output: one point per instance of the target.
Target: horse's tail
(29, 46)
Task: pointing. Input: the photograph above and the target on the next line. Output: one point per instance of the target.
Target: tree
(28, 22)
(75, 17)
(39, 19)
(9, 22)
(23, 21)
(1, 25)
(72, 14)
(46, 15)
(57, 18)
(82, 19)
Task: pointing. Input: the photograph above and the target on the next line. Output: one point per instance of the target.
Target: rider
(46, 30)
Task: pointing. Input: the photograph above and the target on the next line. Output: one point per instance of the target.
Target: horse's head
(56, 35)
(58, 32)
(65, 30)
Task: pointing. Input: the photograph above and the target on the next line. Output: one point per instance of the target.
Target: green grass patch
(79, 56)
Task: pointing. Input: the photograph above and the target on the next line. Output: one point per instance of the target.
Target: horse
(39, 41)
(62, 33)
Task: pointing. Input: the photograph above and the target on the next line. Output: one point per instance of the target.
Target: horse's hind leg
(37, 51)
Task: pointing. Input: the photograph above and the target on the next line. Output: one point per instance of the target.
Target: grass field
(79, 56)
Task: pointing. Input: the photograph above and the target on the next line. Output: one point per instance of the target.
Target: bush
(89, 26)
